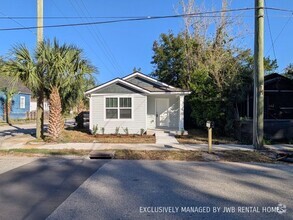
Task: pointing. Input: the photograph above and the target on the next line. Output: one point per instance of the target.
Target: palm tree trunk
(56, 124)
(7, 110)
(40, 115)
(8, 104)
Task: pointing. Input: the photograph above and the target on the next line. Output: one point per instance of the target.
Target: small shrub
(95, 129)
(103, 130)
(141, 131)
(117, 130)
(126, 131)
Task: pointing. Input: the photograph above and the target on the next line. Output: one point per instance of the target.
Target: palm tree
(54, 70)
(29, 69)
(65, 73)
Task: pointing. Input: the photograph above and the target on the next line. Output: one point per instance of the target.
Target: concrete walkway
(165, 138)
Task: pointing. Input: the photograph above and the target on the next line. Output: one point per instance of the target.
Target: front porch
(165, 112)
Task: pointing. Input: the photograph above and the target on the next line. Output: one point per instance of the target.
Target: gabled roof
(117, 80)
(276, 81)
(8, 82)
(142, 83)
(139, 74)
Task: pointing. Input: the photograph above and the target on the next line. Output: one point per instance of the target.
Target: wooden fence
(33, 114)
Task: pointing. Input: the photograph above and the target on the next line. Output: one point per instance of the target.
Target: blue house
(21, 99)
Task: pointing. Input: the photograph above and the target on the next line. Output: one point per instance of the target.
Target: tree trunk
(56, 124)
(40, 115)
(7, 110)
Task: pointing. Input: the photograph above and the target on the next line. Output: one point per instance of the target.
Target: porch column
(91, 113)
(181, 112)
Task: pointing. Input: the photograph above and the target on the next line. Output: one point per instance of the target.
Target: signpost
(210, 125)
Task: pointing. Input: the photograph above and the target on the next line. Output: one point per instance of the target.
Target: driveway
(181, 190)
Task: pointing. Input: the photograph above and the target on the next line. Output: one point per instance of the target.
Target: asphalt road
(36, 188)
(79, 188)
(182, 190)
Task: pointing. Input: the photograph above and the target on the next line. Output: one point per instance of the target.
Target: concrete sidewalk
(107, 146)
(163, 142)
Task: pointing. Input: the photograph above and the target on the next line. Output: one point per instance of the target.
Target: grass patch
(43, 152)
(198, 136)
(76, 136)
(231, 156)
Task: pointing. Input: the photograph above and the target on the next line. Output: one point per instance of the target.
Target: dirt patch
(158, 155)
(231, 156)
(245, 156)
(73, 136)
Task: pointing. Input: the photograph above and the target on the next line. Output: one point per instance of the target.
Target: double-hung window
(22, 102)
(125, 108)
(118, 108)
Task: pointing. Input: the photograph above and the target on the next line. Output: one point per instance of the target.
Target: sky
(115, 49)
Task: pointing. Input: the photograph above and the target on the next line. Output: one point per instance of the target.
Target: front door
(162, 113)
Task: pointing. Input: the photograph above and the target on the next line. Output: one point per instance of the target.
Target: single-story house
(20, 101)
(278, 109)
(278, 98)
(136, 102)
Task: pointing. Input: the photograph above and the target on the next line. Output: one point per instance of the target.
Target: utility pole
(258, 93)
(40, 21)
(40, 95)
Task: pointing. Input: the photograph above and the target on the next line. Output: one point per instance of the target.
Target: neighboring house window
(118, 108)
(22, 102)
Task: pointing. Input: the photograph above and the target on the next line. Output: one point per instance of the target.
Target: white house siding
(134, 125)
(173, 110)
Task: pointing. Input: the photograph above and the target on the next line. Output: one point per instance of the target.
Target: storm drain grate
(102, 155)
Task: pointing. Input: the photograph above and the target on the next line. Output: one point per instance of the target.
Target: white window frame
(115, 108)
(118, 108)
(22, 102)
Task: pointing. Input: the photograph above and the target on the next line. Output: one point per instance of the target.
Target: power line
(86, 42)
(7, 17)
(270, 31)
(71, 17)
(128, 19)
(96, 38)
(142, 19)
(104, 44)
(113, 17)
(283, 28)
(279, 9)
(135, 17)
